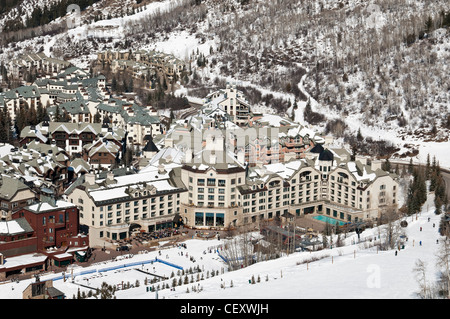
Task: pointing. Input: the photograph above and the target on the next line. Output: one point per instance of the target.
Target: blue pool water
(328, 220)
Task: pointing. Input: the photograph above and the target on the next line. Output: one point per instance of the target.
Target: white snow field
(349, 272)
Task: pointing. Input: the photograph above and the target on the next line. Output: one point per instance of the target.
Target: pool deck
(330, 220)
(308, 221)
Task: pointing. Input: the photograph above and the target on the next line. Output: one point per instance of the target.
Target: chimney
(376, 164)
(161, 169)
(213, 159)
(188, 156)
(241, 156)
(168, 142)
(110, 176)
(90, 178)
(361, 159)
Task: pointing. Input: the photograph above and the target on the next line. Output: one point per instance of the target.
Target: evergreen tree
(22, 118)
(40, 113)
(410, 166)
(130, 86)
(32, 116)
(359, 136)
(114, 84)
(428, 167)
(57, 116)
(417, 192)
(429, 25)
(6, 134)
(411, 202)
(386, 165)
(97, 117)
(2, 129)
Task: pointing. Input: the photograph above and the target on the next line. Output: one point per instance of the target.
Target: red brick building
(54, 223)
(40, 235)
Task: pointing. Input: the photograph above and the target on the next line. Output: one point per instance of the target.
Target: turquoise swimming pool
(328, 220)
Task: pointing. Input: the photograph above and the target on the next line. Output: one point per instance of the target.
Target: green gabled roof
(71, 107)
(66, 95)
(24, 91)
(75, 127)
(109, 108)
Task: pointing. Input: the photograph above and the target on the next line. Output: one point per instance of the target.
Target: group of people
(420, 242)
(157, 234)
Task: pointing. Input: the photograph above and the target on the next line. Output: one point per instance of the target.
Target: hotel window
(209, 219)
(220, 219)
(199, 219)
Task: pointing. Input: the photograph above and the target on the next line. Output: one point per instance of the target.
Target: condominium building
(232, 102)
(213, 198)
(110, 206)
(223, 195)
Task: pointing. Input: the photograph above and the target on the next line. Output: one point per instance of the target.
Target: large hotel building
(208, 183)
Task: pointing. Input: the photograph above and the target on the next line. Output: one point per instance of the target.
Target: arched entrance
(177, 221)
(133, 229)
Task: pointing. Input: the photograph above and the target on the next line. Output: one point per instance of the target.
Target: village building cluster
(63, 190)
(143, 64)
(197, 173)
